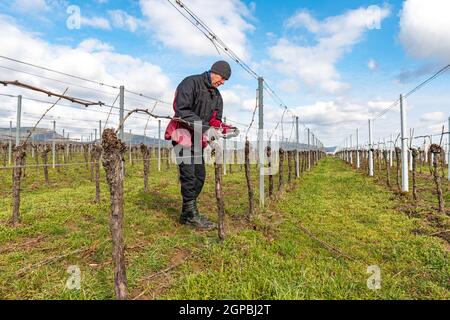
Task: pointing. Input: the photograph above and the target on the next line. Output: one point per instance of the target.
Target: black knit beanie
(222, 68)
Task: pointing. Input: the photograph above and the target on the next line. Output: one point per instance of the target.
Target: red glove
(214, 122)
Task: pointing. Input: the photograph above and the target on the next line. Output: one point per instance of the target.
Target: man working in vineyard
(198, 108)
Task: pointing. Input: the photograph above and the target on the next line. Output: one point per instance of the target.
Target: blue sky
(325, 59)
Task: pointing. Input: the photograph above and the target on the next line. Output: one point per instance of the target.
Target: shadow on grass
(162, 202)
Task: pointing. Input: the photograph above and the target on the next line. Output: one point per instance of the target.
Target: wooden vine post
(397, 159)
(281, 171)
(379, 158)
(290, 161)
(218, 168)
(91, 165)
(85, 154)
(4, 148)
(388, 169)
(35, 147)
(436, 151)
(19, 160)
(64, 152)
(45, 151)
(249, 181)
(24, 166)
(304, 161)
(414, 154)
(146, 159)
(57, 149)
(363, 161)
(167, 158)
(95, 159)
(113, 153)
(269, 157)
(421, 156)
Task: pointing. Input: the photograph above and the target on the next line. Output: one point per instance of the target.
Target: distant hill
(330, 149)
(138, 139)
(41, 135)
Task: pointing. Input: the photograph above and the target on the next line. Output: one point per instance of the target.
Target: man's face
(217, 80)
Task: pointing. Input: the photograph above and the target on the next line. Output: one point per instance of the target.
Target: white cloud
(337, 112)
(325, 113)
(92, 59)
(248, 105)
(307, 64)
(92, 45)
(315, 65)
(433, 117)
(95, 22)
(290, 85)
(230, 97)
(372, 64)
(29, 5)
(227, 18)
(121, 19)
(424, 28)
(375, 107)
(303, 18)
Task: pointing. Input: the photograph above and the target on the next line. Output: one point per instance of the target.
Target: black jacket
(197, 100)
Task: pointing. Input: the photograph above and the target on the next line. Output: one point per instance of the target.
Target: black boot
(191, 217)
(202, 217)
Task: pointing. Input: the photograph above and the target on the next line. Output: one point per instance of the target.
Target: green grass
(426, 206)
(270, 258)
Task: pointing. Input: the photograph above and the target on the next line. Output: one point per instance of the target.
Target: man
(198, 107)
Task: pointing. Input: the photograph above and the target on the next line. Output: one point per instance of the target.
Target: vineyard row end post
(405, 173)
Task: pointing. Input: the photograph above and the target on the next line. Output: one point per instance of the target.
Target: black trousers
(192, 173)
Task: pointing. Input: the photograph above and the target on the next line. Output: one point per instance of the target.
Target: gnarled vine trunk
(113, 152)
(249, 180)
(19, 157)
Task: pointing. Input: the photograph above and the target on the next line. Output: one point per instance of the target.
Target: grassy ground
(426, 206)
(270, 258)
